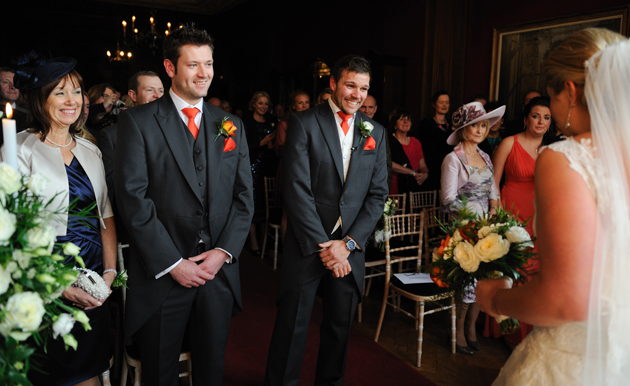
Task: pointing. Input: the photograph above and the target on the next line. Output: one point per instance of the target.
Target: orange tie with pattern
(344, 123)
(191, 113)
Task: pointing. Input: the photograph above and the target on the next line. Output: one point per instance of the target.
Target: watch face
(351, 245)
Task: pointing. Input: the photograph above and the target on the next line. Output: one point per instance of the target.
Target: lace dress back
(555, 355)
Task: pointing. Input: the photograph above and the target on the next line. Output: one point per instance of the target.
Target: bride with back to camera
(580, 301)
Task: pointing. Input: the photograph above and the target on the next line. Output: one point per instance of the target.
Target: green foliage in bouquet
(32, 275)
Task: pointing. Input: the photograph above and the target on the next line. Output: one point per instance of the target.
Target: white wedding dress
(555, 355)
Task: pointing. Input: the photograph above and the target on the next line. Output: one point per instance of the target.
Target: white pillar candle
(10, 140)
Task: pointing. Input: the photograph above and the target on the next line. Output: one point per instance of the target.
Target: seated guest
(215, 101)
(102, 100)
(432, 133)
(467, 174)
(144, 87)
(494, 137)
(324, 95)
(225, 106)
(10, 94)
(73, 167)
(261, 132)
(369, 108)
(410, 169)
(278, 112)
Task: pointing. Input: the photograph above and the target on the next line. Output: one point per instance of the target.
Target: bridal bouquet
(379, 231)
(32, 275)
(482, 247)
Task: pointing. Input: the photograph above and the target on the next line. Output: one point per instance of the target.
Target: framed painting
(519, 51)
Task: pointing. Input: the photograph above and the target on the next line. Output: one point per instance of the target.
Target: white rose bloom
(17, 274)
(63, 325)
(31, 273)
(70, 249)
(492, 247)
(519, 235)
(23, 258)
(5, 279)
(464, 222)
(43, 235)
(25, 311)
(12, 266)
(466, 256)
(37, 183)
(485, 231)
(7, 226)
(378, 235)
(10, 179)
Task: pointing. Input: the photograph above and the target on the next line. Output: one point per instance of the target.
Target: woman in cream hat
(467, 173)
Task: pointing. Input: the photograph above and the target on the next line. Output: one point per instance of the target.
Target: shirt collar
(181, 104)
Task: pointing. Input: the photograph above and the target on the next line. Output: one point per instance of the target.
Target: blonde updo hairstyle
(567, 61)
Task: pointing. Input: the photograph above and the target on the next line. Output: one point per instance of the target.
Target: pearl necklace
(55, 143)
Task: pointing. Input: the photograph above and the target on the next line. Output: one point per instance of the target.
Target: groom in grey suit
(335, 185)
(184, 191)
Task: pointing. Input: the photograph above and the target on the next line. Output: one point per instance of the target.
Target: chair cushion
(424, 289)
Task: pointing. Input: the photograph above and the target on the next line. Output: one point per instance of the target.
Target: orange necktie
(344, 123)
(191, 113)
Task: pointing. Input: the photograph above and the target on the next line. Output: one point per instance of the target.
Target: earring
(568, 124)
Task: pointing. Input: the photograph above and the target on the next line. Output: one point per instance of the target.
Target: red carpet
(248, 343)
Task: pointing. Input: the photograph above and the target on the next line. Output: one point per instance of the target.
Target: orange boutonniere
(227, 129)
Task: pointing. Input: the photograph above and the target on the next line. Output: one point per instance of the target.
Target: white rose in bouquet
(25, 310)
(492, 247)
(456, 238)
(5, 279)
(63, 325)
(10, 179)
(43, 235)
(519, 235)
(70, 249)
(37, 183)
(7, 226)
(464, 253)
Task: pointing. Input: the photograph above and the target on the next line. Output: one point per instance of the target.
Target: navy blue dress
(93, 353)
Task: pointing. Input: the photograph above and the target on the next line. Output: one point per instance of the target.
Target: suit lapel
(214, 148)
(328, 126)
(170, 123)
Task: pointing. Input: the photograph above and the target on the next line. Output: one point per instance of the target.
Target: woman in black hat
(74, 168)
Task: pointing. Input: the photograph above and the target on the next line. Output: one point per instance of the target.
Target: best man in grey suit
(335, 184)
(184, 191)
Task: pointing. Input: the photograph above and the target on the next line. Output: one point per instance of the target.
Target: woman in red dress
(410, 170)
(516, 157)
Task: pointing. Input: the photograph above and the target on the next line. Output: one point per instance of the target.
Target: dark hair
(538, 101)
(294, 95)
(327, 90)
(478, 96)
(492, 105)
(188, 34)
(402, 113)
(134, 81)
(97, 91)
(437, 96)
(7, 69)
(352, 63)
(38, 97)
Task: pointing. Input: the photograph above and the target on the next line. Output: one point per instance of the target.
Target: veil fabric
(607, 92)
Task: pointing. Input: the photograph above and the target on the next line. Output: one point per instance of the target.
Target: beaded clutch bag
(92, 283)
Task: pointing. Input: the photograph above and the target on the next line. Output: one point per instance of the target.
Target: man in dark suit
(9, 94)
(144, 87)
(335, 184)
(184, 191)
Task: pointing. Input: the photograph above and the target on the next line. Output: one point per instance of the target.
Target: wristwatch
(413, 173)
(351, 245)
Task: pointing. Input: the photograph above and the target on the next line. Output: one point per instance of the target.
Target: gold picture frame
(519, 51)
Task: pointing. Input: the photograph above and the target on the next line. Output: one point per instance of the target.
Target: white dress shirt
(346, 141)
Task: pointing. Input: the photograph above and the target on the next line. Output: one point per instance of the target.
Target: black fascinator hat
(35, 70)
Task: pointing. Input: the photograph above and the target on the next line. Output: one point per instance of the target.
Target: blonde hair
(567, 61)
(258, 95)
(463, 135)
